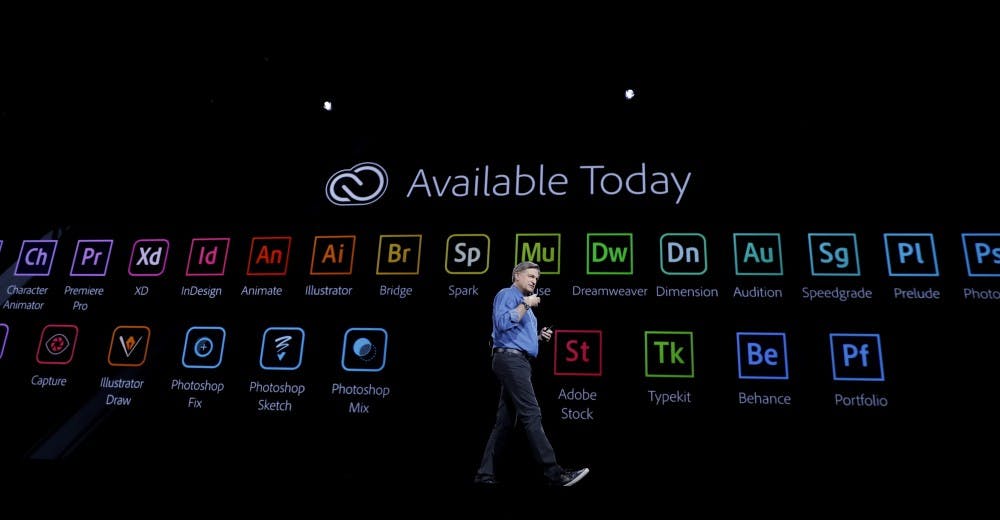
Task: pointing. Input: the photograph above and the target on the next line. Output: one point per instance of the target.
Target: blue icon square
(762, 355)
(856, 357)
(203, 347)
(281, 348)
(910, 254)
(982, 254)
(364, 349)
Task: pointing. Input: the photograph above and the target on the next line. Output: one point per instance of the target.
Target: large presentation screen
(777, 287)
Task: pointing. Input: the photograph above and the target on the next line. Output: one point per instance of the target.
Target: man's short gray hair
(523, 266)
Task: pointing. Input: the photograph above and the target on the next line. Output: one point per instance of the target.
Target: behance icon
(360, 185)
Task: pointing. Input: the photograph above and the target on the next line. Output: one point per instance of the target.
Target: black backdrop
(237, 144)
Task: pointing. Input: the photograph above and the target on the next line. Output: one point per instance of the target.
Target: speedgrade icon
(362, 184)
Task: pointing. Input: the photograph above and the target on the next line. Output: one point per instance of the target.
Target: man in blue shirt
(515, 344)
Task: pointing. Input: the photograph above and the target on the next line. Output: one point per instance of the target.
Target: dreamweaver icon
(362, 184)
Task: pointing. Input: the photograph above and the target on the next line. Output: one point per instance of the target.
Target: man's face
(527, 280)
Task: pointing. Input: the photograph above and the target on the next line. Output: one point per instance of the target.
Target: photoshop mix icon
(364, 349)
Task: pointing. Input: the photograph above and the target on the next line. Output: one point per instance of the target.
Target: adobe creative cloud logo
(360, 185)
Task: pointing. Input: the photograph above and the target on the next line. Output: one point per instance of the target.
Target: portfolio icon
(856, 357)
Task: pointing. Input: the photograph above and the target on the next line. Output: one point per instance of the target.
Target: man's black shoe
(485, 480)
(568, 478)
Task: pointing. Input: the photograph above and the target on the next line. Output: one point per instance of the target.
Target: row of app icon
(281, 348)
(668, 354)
(754, 254)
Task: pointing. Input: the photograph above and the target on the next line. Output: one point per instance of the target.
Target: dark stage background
(238, 145)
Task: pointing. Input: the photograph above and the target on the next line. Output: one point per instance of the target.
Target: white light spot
(328, 106)
(629, 93)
